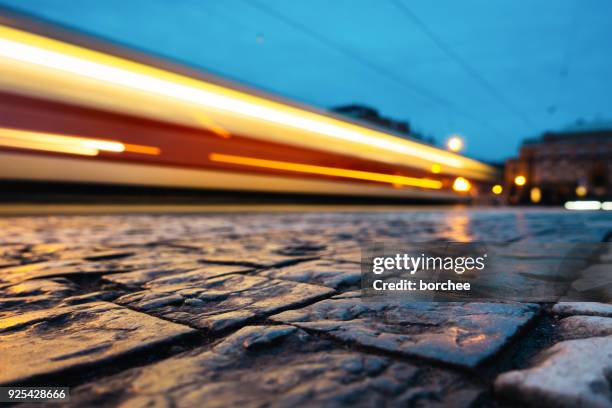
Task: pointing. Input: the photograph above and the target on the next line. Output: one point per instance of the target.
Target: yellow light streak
(326, 171)
(48, 147)
(44, 52)
(461, 185)
(26, 139)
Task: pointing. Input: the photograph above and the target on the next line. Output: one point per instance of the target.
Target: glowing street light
(454, 144)
(535, 195)
(520, 180)
(461, 185)
(497, 189)
(581, 191)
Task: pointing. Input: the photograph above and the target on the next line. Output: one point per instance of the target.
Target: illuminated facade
(575, 163)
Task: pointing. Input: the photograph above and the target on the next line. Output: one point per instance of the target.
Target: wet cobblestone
(272, 308)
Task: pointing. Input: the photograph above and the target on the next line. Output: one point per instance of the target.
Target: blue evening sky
(494, 71)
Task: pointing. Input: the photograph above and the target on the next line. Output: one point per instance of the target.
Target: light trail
(61, 57)
(326, 171)
(26, 139)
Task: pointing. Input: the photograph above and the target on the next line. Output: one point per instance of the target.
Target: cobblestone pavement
(264, 310)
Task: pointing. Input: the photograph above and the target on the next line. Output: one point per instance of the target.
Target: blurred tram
(74, 109)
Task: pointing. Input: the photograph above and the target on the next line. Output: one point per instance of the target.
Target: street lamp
(497, 189)
(520, 181)
(535, 195)
(581, 191)
(454, 143)
(461, 185)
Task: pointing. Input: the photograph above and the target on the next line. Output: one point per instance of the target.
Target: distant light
(454, 143)
(520, 180)
(461, 185)
(535, 195)
(436, 168)
(583, 205)
(581, 191)
(497, 189)
(606, 205)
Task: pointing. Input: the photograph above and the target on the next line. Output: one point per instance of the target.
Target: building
(367, 114)
(571, 164)
(370, 115)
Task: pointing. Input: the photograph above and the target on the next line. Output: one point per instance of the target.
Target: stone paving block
(583, 308)
(541, 251)
(49, 269)
(194, 277)
(573, 373)
(91, 297)
(458, 333)
(21, 273)
(64, 251)
(49, 341)
(595, 283)
(153, 256)
(10, 254)
(606, 257)
(254, 251)
(523, 280)
(30, 253)
(220, 303)
(578, 327)
(34, 294)
(351, 253)
(99, 262)
(140, 277)
(333, 274)
(278, 366)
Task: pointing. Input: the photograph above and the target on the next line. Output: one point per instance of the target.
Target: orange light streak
(326, 171)
(134, 148)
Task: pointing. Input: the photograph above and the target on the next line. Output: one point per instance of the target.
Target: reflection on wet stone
(217, 304)
(143, 276)
(34, 294)
(333, 274)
